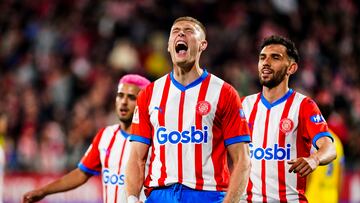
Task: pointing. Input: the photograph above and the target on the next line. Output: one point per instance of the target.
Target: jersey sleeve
(90, 162)
(234, 124)
(141, 126)
(313, 122)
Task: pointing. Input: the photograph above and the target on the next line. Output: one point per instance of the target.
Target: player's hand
(33, 196)
(304, 165)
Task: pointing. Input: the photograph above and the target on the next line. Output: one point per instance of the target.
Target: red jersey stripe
(281, 164)
(263, 168)
(152, 157)
(121, 158)
(180, 127)
(161, 117)
(106, 164)
(198, 147)
(251, 124)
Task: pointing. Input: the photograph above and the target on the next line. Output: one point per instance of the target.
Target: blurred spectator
(3, 130)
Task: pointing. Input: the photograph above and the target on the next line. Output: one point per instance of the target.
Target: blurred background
(60, 61)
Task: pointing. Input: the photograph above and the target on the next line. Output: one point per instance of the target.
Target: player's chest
(183, 108)
(114, 153)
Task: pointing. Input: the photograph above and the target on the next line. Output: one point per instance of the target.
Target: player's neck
(184, 76)
(125, 126)
(275, 93)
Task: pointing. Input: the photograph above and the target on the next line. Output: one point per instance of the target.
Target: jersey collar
(125, 134)
(269, 105)
(192, 84)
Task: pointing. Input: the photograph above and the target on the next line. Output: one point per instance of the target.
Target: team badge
(203, 108)
(286, 125)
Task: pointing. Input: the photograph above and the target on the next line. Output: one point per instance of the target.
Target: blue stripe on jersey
(125, 134)
(140, 139)
(320, 135)
(87, 170)
(237, 139)
(192, 84)
(279, 101)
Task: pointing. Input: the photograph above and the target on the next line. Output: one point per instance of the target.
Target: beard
(125, 119)
(277, 78)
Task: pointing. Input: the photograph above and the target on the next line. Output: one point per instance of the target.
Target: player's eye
(189, 30)
(132, 97)
(176, 30)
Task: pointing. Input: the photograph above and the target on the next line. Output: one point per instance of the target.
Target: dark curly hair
(291, 50)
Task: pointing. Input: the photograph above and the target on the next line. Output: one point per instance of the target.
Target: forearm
(240, 174)
(326, 152)
(135, 169)
(68, 182)
(238, 183)
(134, 177)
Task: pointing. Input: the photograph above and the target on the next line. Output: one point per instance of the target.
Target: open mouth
(266, 71)
(181, 47)
(123, 110)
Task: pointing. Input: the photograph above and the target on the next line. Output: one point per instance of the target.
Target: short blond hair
(191, 19)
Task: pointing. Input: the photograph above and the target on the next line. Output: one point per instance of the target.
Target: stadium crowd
(60, 61)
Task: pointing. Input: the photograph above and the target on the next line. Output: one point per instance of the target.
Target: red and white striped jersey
(108, 155)
(189, 128)
(280, 131)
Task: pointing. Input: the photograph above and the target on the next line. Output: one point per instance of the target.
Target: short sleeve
(141, 125)
(90, 162)
(234, 124)
(313, 122)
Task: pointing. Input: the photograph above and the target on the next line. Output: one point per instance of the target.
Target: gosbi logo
(286, 125)
(174, 137)
(270, 153)
(203, 108)
(112, 178)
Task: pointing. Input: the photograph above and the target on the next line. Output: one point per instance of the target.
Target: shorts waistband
(176, 186)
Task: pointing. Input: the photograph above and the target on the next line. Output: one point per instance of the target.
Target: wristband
(132, 199)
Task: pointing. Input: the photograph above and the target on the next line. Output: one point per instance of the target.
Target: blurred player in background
(191, 119)
(108, 153)
(325, 183)
(3, 129)
(283, 124)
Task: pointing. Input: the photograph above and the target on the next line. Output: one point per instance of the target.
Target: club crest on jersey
(203, 108)
(286, 125)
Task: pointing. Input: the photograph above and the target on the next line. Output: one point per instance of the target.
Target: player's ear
(203, 45)
(292, 68)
